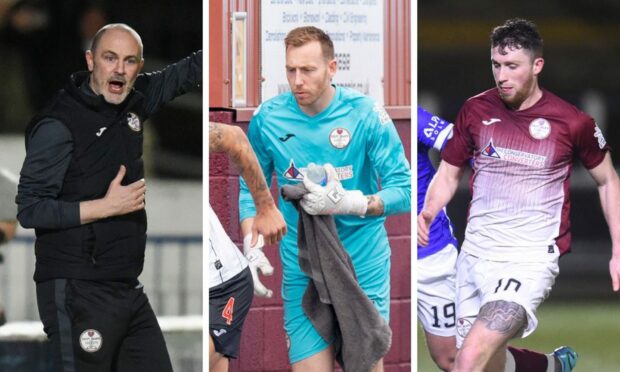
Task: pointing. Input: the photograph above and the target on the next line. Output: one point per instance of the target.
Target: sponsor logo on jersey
(286, 137)
(514, 156)
(433, 127)
(382, 115)
(540, 128)
(297, 174)
(91, 340)
(133, 121)
(219, 332)
(100, 132)
(344, 172)
(463, 325)
(491, 121)
(292, 172)
(339, 138)
(599, 136)
(489, 150)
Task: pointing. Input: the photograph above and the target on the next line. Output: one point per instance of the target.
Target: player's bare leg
(484, 348)
(217, 362)
(320, 362)
(442, 350)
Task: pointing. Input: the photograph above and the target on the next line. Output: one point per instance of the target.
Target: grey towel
(336, 305)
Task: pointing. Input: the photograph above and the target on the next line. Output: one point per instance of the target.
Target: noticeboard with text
(355, 27)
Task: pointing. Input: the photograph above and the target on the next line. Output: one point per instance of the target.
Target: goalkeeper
(230, 274)
(322, 123)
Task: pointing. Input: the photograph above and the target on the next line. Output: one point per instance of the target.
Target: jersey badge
(463, 325)
(293, 173)
(339, 138)
(133, 121)
(599, 136)
(540, 128)
(91, 340)
(489, 150)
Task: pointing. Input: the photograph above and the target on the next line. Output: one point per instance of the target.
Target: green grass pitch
(592, 329)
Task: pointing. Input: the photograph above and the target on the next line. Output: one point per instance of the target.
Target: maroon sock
(528, 360)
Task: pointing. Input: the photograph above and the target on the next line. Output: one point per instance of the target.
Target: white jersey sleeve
(225, 259)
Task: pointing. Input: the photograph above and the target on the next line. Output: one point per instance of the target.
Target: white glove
(332, 198)
(257, 261)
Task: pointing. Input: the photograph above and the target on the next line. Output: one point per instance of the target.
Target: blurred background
(581, 51)
(41, 43)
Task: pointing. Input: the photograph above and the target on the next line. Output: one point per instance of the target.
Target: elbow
(238, 133)
(24, 221)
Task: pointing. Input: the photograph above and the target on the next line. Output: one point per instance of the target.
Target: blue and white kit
(436, 265)
(433, 133)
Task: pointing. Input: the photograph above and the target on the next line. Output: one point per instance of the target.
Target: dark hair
(302, 35)
(518, 33)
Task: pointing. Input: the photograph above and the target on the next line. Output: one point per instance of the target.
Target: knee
(467, 358)
(444, 362)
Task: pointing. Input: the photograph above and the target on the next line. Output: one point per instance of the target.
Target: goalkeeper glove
(257, 261)
(332, 198)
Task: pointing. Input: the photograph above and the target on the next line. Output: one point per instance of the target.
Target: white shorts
(481, 281)
(437, 292)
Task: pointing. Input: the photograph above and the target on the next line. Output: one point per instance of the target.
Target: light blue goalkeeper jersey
(359, 139)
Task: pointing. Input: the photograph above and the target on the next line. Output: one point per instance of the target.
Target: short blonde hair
(303, 35)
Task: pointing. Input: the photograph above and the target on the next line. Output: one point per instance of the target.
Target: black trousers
(100, 326)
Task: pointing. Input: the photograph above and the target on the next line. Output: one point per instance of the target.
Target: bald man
(82, 189)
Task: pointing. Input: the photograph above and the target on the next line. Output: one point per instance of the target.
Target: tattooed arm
(233, 141)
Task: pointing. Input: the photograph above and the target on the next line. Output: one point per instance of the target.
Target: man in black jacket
(82, 190)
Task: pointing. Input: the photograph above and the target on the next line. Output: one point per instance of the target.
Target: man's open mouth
(116, 86)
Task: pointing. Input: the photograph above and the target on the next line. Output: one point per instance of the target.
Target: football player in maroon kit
(523, 140)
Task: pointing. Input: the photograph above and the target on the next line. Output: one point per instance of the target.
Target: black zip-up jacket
(91, 139)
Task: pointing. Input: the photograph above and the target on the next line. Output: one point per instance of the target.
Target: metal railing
(172, 276)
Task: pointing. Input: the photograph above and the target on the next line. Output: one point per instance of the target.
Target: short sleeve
(460, 148)
(590, 143)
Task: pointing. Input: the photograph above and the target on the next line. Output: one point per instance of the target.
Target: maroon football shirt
(521, 169)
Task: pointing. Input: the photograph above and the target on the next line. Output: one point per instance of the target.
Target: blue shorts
(303, 340)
